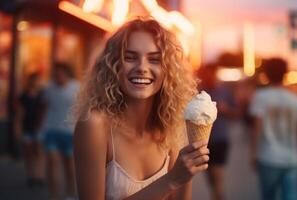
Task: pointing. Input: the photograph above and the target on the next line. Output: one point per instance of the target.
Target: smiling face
(141, 75)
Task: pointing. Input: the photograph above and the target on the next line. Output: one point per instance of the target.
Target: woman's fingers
(193, 158)
(197, 158)
(193, 146)
(201, 160)
(198, 152)
(195, 162)
(196, 165)
(200, 168)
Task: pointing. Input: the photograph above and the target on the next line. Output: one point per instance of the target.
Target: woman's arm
(90, 150)
(191, 160)
(185, 191)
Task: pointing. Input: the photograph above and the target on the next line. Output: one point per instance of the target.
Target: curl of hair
(101, 90)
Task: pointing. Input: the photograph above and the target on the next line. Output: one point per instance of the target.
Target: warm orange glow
(184, 42)
(172, 19)
(5, 39)
(161, 15)
(263, 79)
(290, 78)
(92, 5)
(230, 74)
(249, 49)
(180, 21)
(88, 17)
(120, 12)
(23, 25)
(150, 4)
(157, 12)
(195, 42)
(169, 19)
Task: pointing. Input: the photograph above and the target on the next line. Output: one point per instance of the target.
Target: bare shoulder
(96, 125)
(90, 150)
(92, 134)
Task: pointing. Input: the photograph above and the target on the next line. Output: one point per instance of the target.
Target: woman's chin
(140, 95)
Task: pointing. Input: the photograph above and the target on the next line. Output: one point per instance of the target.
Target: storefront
(34, 35)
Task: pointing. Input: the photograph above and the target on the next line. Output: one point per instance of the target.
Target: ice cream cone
(197, 132)
(200, 114)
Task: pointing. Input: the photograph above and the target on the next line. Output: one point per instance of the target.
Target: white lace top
(119, 184)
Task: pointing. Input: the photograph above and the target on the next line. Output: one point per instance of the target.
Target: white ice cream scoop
(201, 110)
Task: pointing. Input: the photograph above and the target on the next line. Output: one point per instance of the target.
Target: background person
(31, 114)
(59, 96)
(274, 141)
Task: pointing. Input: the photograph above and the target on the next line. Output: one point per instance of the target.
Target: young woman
(130, 119)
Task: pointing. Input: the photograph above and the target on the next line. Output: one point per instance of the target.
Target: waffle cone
(198, 132)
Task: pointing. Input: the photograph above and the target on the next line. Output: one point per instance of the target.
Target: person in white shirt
(58, 140)
(274, 141)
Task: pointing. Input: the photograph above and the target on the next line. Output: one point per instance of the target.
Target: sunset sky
(222, 24)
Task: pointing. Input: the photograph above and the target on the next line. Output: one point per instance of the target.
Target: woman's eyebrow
(155, 53)
(130, 51)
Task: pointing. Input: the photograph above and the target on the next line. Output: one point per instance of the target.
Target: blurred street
(13, 182)
(240, 180)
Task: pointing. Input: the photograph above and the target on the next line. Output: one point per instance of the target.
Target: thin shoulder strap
(112, 143)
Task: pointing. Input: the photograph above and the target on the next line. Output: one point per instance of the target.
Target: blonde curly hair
(101, 90)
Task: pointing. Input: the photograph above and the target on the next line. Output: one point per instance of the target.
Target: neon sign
(120, 11)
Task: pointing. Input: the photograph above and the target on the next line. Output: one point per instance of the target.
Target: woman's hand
(191, 160)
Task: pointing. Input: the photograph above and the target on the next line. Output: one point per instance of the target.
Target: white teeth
(141, 80)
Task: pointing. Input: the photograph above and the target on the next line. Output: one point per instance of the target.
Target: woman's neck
(138, 115)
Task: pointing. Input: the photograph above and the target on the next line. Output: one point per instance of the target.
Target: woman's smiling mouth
(138, 80)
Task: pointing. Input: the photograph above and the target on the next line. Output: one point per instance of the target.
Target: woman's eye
(155, 60)
(129, 58)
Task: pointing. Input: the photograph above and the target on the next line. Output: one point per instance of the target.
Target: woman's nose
(142, 65)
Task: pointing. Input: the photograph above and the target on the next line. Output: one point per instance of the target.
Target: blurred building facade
(34, 34)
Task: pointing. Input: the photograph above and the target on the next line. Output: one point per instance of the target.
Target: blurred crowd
(47, 131)
(269, 111)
